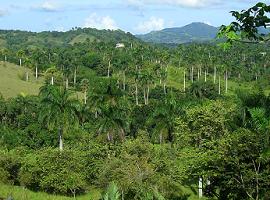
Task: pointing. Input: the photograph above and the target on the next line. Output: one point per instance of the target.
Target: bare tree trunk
(144, 96)
(184, 81)
(198, 76)
(136, 94)
(52, 80)
(215, 74)
(147, 94)
(200, 187)
(226, 82)
(160, 138)
(124, 80)
(219, 86)
(164, 88)
(5, 58)
(61, 139)
(109, 67)
(20, 62)
(192, 71)
(27, 76)
(205, 76)
(36, 72)
(67, 84)
(85, 97)
(75, 77)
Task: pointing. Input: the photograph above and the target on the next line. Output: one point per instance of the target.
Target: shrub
(9, 166)
(54, 171)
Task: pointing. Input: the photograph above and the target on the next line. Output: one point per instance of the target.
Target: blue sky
(135, 16)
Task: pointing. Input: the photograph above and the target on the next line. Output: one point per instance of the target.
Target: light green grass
(11, 84)
(19, 193)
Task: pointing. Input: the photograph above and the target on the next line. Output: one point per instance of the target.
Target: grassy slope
(11, 84)
(24, 194)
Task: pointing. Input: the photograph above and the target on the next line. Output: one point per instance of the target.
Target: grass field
(11, 83)
(19, 193)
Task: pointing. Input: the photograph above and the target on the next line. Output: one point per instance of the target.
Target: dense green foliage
(140, 122)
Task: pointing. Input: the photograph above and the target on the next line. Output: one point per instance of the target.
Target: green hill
(12, 83)
(13, 39)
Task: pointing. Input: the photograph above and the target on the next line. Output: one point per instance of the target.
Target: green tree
(58, 109)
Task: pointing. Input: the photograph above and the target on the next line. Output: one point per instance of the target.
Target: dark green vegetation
(140, 122)
(195, 32)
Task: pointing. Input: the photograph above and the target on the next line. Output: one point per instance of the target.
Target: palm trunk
(85, 97)
(52, 80)
(61, 139)
(164, 88)
(215, 74)
(27, 76)
(219, 86)
(184, 81)
(200, 187)
(136, 94)
(160, 138)
(109, 67)
(67, 84)
(226, 81)
(124, 80)
(147, 94)
(36, 72)
(144, 96)
(192, 70)
(75, 77)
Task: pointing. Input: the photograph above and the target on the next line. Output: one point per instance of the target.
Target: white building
(120, 45)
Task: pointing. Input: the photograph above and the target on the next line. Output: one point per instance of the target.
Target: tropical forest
(93, 114)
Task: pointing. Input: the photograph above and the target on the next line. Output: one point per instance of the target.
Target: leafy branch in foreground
(248, 25)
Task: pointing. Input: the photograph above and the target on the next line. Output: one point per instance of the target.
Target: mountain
(194, 32)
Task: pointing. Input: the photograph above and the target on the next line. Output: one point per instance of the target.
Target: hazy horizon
(135, 16)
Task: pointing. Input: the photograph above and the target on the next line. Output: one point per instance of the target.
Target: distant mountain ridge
(194, 32)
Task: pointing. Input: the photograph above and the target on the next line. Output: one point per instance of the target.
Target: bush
(201, 89)
(9, 166)
(54, 171)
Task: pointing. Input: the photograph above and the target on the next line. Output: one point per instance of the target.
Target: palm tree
(163, 118)
(58, 109)
(21, 55)
(51, 72)
(113, 113)
(85, 87)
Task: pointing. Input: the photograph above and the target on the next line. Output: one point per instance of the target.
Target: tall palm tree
(85, 87)
(58, 109)
(163, 118)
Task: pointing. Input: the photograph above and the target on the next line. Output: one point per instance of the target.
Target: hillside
(13, 39)
(194, 32)
(11, 83)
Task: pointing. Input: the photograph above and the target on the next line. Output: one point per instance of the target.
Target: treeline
(130, 127)
(150, 151)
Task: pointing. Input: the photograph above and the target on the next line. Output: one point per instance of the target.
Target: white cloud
(98, 22)
(181, 3)
(153, 24)
(49, 6)
(3, 13)
(208, 23)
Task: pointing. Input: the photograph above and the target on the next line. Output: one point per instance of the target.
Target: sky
(135, 16)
